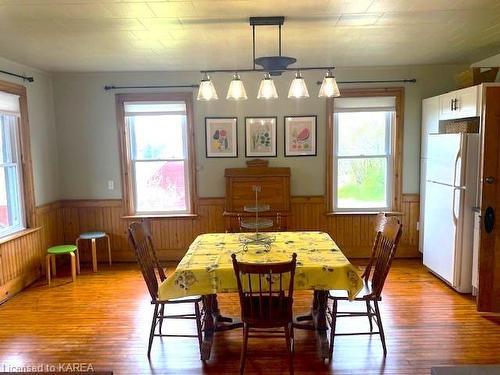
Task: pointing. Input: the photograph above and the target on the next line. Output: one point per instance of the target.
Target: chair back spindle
(265, 290)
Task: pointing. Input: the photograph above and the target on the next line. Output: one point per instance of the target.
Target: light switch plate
(111, 185)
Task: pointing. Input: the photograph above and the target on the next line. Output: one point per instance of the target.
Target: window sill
(173, 216)
(21, 233)
(390, 213)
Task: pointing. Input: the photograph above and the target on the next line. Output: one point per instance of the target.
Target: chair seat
(92, 235)
(362, 295)
(61, 249)
(272, 312)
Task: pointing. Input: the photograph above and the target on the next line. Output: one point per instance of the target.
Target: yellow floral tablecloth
(207, 268)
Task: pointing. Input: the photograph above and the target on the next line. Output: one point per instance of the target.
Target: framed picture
(260, 136)
(221, 137)
(300, 135)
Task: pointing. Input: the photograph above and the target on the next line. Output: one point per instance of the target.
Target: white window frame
(389, 156)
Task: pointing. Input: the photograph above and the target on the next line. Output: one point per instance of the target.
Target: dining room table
(207, 270)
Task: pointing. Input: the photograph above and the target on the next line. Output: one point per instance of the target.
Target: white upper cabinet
(430, 121)
(459, 104)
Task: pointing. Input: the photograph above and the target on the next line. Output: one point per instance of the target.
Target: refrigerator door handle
(457, 158)
(455, 216)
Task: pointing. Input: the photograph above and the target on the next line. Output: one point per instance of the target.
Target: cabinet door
(467, 102)
(430, 122)
(446, 106)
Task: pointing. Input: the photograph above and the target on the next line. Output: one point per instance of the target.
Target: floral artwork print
(261, 136)
(300, 136)
(222, 137)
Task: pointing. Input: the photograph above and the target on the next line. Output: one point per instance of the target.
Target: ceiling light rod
(265, 70)
(23, 77)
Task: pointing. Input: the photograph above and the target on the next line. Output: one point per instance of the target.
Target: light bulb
(298, 88)
(236, 89)
(207, 91)
(329, 87)
(267, 90)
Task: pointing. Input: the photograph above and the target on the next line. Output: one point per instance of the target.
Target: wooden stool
(93, 236)
(63, 249)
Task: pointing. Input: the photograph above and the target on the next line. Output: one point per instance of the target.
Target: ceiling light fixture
(267, 90)
(329, 87)
(271, 66)
(298, 88)
(236, 89)
(207, 92)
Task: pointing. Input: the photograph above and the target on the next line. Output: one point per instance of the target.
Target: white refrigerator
(450, 195)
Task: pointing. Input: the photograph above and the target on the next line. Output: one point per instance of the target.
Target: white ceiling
(114, 35)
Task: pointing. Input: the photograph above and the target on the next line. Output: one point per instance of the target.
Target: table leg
(318, 322)
(213, 322)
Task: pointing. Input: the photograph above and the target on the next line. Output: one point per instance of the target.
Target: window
(157, 155)
(364, 144)
(11, 187)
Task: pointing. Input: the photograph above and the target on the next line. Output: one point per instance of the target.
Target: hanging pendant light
(329, 87)
(298, 88)
(207, 91)
(267, 90)
(236, 89)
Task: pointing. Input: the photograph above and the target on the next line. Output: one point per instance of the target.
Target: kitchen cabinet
(459, 104)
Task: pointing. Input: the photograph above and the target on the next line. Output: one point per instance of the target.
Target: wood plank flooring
(103, 319)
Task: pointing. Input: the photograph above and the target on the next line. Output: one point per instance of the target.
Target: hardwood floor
(103, 319)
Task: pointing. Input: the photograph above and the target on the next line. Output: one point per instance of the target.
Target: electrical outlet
(111, 185)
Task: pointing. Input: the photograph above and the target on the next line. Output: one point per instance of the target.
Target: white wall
(88, 138)
(42, 130)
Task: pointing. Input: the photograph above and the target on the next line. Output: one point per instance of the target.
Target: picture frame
(260, 136)
(300, 136)
(221, 137)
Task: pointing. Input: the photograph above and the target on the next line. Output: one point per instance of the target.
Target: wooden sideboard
(275, 191)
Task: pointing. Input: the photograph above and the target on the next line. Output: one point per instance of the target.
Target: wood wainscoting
(21, 258)
(172, 236)
(22, 255)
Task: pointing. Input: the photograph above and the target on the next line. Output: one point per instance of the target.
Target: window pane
(10, 202)
(362, 133)
(157, 137)
(160, 186)
(8, 124)
(361, 183)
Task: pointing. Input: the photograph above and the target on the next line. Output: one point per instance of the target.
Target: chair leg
(368, 311)
(198, 323)
(289, 347)
(109, 249)
(332, 329)
(73, 266)
(153, 326)
(160, 322)
(244, 348)
(53, 264)
(380, 328)
(48, 267)
(94, 255)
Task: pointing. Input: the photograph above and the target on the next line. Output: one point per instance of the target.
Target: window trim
(126, 163)
(397, 144)
(26, 165)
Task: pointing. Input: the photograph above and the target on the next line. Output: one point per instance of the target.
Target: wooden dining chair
(266, 299)
(140, 240)
(384, 248)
